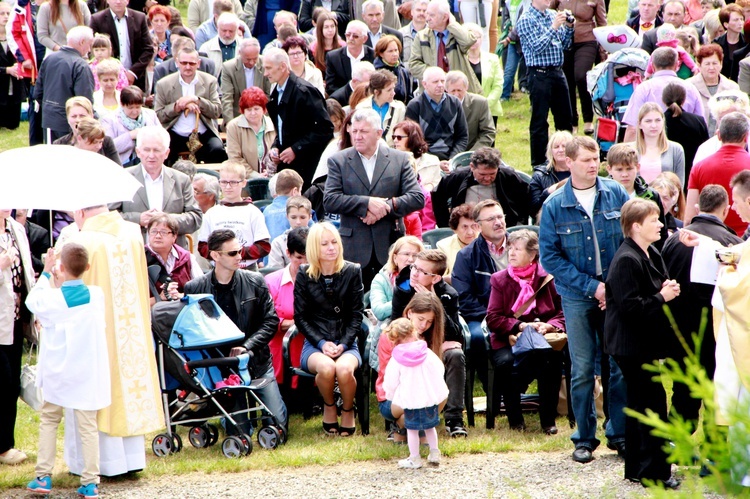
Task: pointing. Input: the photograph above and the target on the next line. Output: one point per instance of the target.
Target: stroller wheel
(269, 437)
(247, 441)
(198, 436)
(233, 447)
(176, 443)
(282, 433)
(213, 434)
(162, 445)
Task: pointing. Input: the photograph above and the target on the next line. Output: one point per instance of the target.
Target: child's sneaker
(434, 457)
(41, 485)
(410, 464)
(88, 491)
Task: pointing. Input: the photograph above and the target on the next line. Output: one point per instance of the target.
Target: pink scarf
(524, 276)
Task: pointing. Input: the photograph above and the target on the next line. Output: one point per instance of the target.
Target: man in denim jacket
(579, 235)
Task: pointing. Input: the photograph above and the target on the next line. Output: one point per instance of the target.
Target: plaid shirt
(542, 45)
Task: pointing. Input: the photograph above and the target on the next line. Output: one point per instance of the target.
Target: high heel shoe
(330, 429)
(346, 431)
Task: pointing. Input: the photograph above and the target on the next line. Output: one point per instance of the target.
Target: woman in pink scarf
(512, 288)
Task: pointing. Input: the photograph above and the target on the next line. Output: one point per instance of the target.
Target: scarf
(130, 123)
(524, 276)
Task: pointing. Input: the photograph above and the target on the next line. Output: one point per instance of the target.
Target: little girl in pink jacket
(414, 380)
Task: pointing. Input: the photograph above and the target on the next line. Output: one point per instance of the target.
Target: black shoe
(618, 446)
(582, 455)
(705, 470)
(456, 428)
(671, 483)
(550, 430)
(521, 427)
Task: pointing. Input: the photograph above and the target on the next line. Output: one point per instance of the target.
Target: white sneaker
(13, 456)
(410, 464)
(434, 457)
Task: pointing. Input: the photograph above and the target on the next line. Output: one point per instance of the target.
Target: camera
(569, 17)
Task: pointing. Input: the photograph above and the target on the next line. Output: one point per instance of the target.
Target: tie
(646, 26)
(442, 60)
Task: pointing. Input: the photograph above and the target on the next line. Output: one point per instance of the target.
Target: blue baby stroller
(191, 335)
(611, 84)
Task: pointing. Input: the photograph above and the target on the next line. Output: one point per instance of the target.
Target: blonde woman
(657, 153)
(107, 98)
(672, 199)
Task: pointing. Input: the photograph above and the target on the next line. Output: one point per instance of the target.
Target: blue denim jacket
(565, 245)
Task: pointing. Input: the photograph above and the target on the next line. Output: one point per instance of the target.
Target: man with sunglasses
(339, 62)
(426, 275)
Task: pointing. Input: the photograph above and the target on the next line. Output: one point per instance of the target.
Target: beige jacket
(242, 144)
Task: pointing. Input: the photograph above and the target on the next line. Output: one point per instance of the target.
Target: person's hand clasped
(378, 207)
(670, 289)
(601, 296)
(332, 350)
(50, 260)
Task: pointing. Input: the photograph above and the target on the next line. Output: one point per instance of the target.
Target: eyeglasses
(189, 63)
(231, 253)
(296, 54)
(498, 218)
(233, 183)
(161, 233)
(398, 137)
(352, 35)
(407, 254)
(418, 271)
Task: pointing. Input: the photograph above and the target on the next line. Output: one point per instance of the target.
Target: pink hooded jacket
(414, 377)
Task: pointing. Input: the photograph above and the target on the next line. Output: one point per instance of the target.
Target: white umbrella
(63, 178)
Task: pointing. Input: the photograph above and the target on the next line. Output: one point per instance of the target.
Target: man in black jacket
(244, 297)
(426, 274)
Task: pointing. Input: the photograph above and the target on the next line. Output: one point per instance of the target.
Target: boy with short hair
(298, 214)
(288, 184)
(623, 165)
(238, 215)
(73, 367)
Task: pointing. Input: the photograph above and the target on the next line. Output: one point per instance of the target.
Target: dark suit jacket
(726, 66)
(307, 129)
(141, 46)
(169, 66)
(348, 191)
(338, 7)
(339, 67)
(635, 22)
(690, 131)
(342, 95)
(649, 41)
(737, 56)
(387, 31)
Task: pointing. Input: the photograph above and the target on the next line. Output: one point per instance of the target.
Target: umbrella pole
(51, 226)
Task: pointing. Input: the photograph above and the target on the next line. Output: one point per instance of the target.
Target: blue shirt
(542, 45)
(436, 106)
(275, 215)
(445, 33)
(382, 111)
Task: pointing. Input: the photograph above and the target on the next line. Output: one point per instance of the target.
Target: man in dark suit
(339, 61)
(360, 75)
(169, 66)
(372, 187)
(372, 14)
(673, 12)
(298, 111)
(338, 7)
(646, 18)
(131, 40)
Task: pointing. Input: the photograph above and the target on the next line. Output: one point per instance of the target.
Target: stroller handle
(219, 362)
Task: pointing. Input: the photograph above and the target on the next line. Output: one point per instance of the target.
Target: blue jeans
(271, 397)
(511, 67)
(584, 323)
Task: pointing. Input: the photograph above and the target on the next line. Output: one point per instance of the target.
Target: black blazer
(336, 318)
(141, 45)
(342, 95)
(690, 131)
(387, 31)
(338, 7)
(726, 66)
(649, 41)
(737, 56)
(339, 67)
(635, 22)
(7, 60)
(635, 324)
(307, 129)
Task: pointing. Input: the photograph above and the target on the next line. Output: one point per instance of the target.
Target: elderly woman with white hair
(720, 105)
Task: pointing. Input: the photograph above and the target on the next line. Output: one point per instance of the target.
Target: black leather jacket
(257, 315)
(336, 318)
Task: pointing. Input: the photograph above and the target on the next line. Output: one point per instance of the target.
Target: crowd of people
(357, 113)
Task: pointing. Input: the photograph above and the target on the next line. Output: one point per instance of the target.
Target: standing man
(339, 62)
(244, 297)
(118, 267)
(244, 71)
(64, 74)
(476, 108)
(299, 113)
(417, 24)
(544, 36)
(164, 190)
(131, 40)
(372, 14)
(372, 187)
(674, 14)
(578, 237)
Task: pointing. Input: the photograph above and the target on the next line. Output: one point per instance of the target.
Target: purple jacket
(114, 128)
(651, 90)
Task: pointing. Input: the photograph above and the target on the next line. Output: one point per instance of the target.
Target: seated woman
(301, 66)
(251, 134)
(635, 333)
(174, 261)
(378, 95)
(326, 29)
(550, 176)
(425, 311)
(89, 135)
(123, 126)
(465, 230)
(522, 295)
(159, 18)
(328, 312)
(387, 56)
(77, 108)
(107, 98)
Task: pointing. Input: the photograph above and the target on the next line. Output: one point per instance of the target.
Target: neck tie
(442, 60)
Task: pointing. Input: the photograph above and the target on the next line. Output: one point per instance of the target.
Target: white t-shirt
(246, 221)
(587, 198)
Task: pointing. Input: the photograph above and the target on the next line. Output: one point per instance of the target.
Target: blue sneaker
(88, 491)
(42, 485)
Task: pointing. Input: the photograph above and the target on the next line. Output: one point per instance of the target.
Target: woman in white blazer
(379, 95)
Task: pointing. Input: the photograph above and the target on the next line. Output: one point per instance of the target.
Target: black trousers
(645, 457)
(10, 381)
(682, 403)
(212, 151)
(578, 60)
(507, 385)
(548, 91)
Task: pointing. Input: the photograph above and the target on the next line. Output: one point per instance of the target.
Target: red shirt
(719, 168)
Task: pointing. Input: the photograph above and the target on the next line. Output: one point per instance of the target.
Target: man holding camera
(544, 35)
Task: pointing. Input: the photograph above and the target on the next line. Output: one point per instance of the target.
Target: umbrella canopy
(63, 178)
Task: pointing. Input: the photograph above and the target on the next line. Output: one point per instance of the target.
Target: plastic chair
(257, 189)
(460, 159)
(208, 171)
(262, 203)
(268, 270)
(431, 237)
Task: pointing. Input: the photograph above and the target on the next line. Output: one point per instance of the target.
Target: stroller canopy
(600, 80)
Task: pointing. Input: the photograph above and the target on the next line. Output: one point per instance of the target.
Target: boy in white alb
(238, 215)
(73, 368)
(298, 213)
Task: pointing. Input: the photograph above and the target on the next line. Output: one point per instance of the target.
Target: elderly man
(361, 72)
(164, 190)
(169, 66)
(445, 45)
(372, 187)
(339, 62)
(299, 113)
(674, 13)
(417, 24)
(131, 40)
(199, 12)
(223, 47)
(206, 191)
(440, 115)
(372, 14)
(479, 122)
(64, 74)
(210, 28)
(664, 60)
(244, 71)
(188, 101)
(339, 7)
(390, 16)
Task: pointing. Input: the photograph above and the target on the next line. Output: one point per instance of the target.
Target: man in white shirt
(339, 62)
